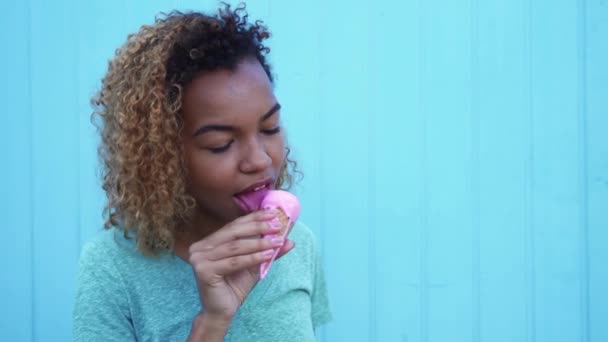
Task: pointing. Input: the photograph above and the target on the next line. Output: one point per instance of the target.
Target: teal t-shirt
(125, 296)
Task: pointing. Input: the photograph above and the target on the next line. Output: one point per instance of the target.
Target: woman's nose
(255, 158)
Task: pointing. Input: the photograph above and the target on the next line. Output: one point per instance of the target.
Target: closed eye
(221, 148)
(225, 148)
(272, 131)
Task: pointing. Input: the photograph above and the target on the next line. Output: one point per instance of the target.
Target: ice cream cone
(288, 210)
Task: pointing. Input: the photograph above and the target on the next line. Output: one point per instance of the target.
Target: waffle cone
(284, 221)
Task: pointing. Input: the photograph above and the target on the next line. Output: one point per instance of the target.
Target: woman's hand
(226, 263)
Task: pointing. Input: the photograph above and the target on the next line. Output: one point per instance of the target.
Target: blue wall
(455, 157)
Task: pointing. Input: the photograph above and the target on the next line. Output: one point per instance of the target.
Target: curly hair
(138, 106)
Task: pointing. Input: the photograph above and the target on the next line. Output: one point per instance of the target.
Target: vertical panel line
(474, 181)
(321, 132)
(423, 275)
(78, 146)
(530, 309)
(30, 138)
(371, 176)
(583, 171)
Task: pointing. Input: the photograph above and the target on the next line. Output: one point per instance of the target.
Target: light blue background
(455, 157)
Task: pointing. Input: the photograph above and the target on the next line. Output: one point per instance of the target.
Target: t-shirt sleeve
(321, 312)
(101, 310)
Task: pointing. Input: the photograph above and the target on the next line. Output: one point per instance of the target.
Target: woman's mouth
(250, 199)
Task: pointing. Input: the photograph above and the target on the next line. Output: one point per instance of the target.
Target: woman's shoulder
(106, 248)
(111, 255)
(302, 233)
(109, 241)
(305, 239)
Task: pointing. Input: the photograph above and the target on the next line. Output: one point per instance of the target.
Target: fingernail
(277, 241)
(273, 227)
(266, 215)
(268, 253)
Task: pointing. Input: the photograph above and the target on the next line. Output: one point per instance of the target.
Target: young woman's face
(232, 139)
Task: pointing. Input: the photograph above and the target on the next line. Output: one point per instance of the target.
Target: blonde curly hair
(138, 113)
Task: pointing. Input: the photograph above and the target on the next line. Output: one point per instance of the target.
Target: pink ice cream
(288, 208)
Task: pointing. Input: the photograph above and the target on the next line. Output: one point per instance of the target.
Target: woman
(190, 126)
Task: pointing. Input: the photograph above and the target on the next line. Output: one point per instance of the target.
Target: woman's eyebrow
(271, 112)
(226, 128)
(209, 128)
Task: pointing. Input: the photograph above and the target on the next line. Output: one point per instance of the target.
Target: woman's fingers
(244, 246)
(260, 215)
(254, 224)
(238, 246)
(233, 264)
(208, 268)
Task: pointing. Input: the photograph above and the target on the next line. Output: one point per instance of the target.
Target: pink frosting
(288, 202)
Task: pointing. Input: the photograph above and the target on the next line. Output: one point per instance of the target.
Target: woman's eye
(272, 131)
(221, 148)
